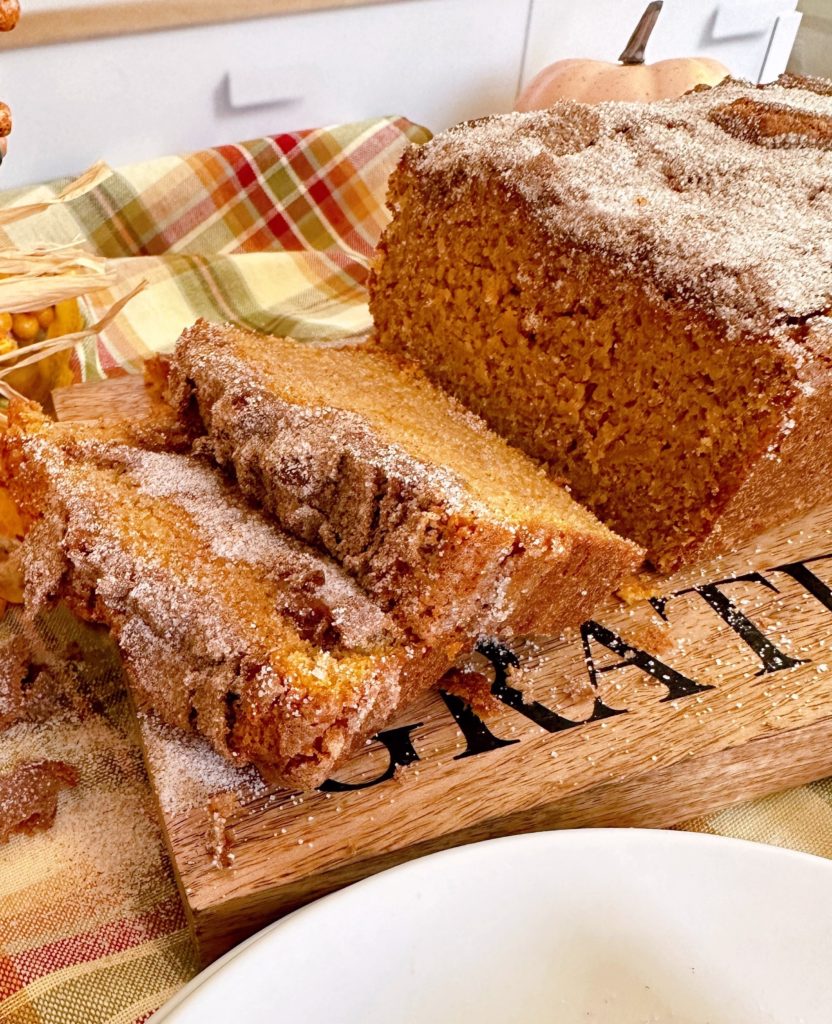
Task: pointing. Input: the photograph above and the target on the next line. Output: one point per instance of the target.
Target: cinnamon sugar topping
(228, 628)
(723, 197)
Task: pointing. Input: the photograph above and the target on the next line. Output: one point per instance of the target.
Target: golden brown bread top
(166, 529)
(721, 199)
(399, 418)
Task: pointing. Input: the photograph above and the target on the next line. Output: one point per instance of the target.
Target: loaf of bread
(451, 530)
(227, 626)
(638, 296)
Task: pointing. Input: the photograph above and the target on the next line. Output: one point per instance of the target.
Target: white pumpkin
(592, 81)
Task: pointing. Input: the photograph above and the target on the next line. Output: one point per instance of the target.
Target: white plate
(609, 926)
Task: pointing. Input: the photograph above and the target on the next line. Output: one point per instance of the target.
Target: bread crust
(226, 626)
(713, 209)
(445, 564)
(793, 474)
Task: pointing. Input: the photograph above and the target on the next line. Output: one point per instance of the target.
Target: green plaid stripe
(309, 204)
(311, 190)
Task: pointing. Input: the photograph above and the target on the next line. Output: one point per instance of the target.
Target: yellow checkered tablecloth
(275, 234)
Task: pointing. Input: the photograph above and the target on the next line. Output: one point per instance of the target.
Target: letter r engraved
(502, 659)
(479, 738)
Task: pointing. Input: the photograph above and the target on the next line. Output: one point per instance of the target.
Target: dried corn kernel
(68, 315)
(39, 379)
(45, 316)
(25, 326)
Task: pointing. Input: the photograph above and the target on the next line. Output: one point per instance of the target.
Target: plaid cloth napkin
(275, 234)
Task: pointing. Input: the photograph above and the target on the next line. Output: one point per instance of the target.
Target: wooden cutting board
(716, 691)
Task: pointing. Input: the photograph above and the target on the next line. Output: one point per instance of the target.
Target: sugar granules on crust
(700, 192)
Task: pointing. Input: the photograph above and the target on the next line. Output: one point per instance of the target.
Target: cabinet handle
(780, 46)
(267, 86)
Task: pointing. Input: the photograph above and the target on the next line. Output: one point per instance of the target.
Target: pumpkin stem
(634, 50)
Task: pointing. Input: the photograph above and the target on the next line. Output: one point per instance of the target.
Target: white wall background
(133, 97)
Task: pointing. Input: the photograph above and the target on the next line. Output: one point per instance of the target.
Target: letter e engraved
(400, 748)
(677, 684)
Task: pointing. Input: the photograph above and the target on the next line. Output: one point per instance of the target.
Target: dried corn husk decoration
(51, 275)
(48, 275)
(12, 362)
(89, 180)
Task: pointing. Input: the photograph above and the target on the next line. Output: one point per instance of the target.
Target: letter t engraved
(803, 575)
(773, 659)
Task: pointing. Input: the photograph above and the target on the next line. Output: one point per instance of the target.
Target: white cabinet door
(751, 37)
(133, 97)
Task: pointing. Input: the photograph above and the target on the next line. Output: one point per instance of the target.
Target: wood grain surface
(715, 690)
(124, 17)
(117, 398)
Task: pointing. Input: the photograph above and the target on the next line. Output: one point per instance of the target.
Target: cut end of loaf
(622, 291)
(456, 533)
(646, 410)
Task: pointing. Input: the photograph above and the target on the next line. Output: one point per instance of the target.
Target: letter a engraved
(677, 684)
